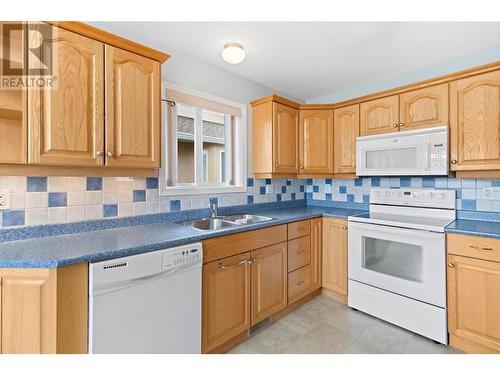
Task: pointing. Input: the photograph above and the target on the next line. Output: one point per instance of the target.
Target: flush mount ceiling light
(233, 53)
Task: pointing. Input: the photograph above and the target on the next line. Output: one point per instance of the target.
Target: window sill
(199, 190)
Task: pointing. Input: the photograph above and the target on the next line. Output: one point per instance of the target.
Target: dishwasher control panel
(183, 256)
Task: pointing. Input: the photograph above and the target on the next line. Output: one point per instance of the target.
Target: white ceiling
(311, 59)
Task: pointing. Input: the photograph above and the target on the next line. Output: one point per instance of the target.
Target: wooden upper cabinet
(133, 131)
(285, 129)
(66, 123)
(380, 116)
(335, 256)
(474, 303)
(424, 108)
(316, 141)
(269, 281)
(226, 300)
(475, 122)
(346, 129)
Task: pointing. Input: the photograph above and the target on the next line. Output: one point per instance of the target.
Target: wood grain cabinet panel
(316, 141)
(380, 116)
(299, 252)
(269, 281)
(226, 300)
(299, 229)
(346, 129)
(285, 132)
(474, 304)
(316, 250)
(299, 283)
(424, 108)
(66, 124)
(475, 122)
(335, 256)
(132, 110)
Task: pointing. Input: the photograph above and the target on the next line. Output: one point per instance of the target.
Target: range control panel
(183, 256)
(414, 197)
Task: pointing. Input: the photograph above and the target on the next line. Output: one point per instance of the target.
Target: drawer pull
(451, 265)
(224, 267)
(300, 283)
(481, 248)
(252, 261)
(300, 252)
(343, 227)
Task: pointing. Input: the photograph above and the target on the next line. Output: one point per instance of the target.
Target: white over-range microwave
(422, 152)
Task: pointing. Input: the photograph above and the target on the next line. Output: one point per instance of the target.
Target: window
(204, 144)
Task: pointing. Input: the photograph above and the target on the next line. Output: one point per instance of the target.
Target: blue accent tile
(288, 182)
(328, 181)
(358, 182)
(36, 184)
(175, 205)
(495, 183)
(428, 182)
(139, 195)
(366, 199)
(283, 189)
(152, 183)
(110, 210)
(342, 189)
(468, 204)
(249, 181)
(301, 188)
(268, 181)
(262, 190)
(350, 197)
(10, 218)
(405, 182)
(58, 200)
(316, 189)
(249, 199)
(328, 196)
(278, 197)
(375, 181)
(213, 200)
(309, 195)
(458, 193)
(293, 196)
(94, 183)
(309, 181)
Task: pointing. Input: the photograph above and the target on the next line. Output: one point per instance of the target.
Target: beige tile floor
(324, 325)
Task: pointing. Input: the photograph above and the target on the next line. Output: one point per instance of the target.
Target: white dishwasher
(147, 303)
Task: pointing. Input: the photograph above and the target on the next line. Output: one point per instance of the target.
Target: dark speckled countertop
(56, 251)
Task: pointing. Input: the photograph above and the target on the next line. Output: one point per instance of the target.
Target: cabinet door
(132, 110)
(380, 116)
(28, 310)
(335, 256)
(346, 129)
(316, 141)
(226, 300)
(474, 301)
(316, 249)
(285, 132)
(424, 108)
(66, 123)
(269, 281)
(475, 122)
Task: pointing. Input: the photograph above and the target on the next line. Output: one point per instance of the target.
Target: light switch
(269, 189)
(4, 199)
(491, 193)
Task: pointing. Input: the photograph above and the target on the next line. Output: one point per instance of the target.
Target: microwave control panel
(439, 153)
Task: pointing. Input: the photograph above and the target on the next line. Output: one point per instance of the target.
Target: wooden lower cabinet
(226, 300)
(473, 299)
(44, 310)
(334, 277)
(268, 281)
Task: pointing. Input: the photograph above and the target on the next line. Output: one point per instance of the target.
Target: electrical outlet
(4, 199)
(269, 189)
(328, 188)
(491, 193)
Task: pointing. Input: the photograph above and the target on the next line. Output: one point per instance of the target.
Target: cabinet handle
(224, 267)
(451, 265)
(394, 125)
(300, 283)
(481, 248)
(99, 153)
(300, 252)
(343, 227)
(276, 165)
(453, 161)
(252, 261)
(111, 154)
(401, 124)
(301, 167)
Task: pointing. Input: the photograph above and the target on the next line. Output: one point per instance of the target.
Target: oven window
(401, 260)
(396, 158)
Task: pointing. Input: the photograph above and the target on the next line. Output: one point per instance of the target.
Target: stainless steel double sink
(224, 222)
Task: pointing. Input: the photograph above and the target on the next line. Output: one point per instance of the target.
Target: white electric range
(397, 259)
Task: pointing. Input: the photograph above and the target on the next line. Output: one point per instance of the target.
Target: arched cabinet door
(380, 115)
(316, 141)
(132, 109)
(346, 130)
(285, 129)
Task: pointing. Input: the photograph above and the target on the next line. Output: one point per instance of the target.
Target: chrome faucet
(214, 208)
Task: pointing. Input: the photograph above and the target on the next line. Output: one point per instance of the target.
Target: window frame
(237, 151)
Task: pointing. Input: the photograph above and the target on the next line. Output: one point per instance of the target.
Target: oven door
(403, 261)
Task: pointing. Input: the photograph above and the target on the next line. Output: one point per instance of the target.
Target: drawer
(299, 253)
(473, 246)
(299, 283)
(299, 229)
